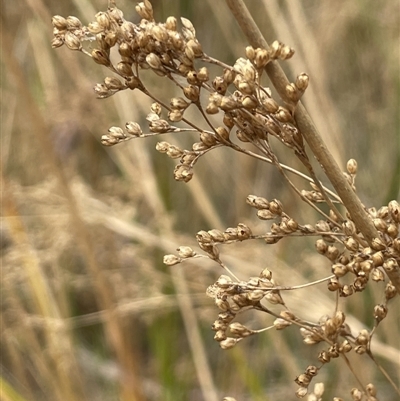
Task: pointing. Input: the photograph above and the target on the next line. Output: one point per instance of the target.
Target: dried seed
(171, 260)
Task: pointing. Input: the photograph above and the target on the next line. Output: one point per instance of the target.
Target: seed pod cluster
(233, 297)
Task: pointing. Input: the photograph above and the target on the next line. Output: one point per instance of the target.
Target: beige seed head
(351, 244)
(116, 15)
(324, 357)
(208, 139)
(281, 324)
(229, 75)
(377, 275)
(394, 210)
(356, 394)
(186, 252)
(249, 102)
(72, 41)
(192, 92)
(220, 335)
(321, 246)
(174, 152)
(274, 298)
(271, 105)
(220, 85)
(224, 281)
(377, 244)
(171, 260)
(302, 81)
(162, 147)
(107, 140)
(390, 291)
(160, 126)
(332, 253)
(133, 128)
(183, 173)
(73, 23)
(230, 342)
(231, 233)
(223, 133)
(334, 285)
(204, 237)
(266, 274)
(255, 296)
(113, 83)
(303, 380)
(393, 230)
(175, 115)
(240, 330)
(212, 108)
(57, 42)
(339, 270)
(349, 227)
(59, 22)
(195, 48)
(352, 166)
(257, 201)
(250, 53)
(103, 20)
(261, 58)
(199, 147)
(171, 23)
(222, 304)
(283, 115)
(292, 92)
(276, 207)
(244, 232)
(153, 61)
(203, 74)
(145, 10)
(227, 103)
(246, 88)
(217, 235)
(286, 53)
(160, 33)
(301, 392)
(371, 389)
(125, 69)
(275, 49)
(380, 312)
(219, 325)
(345, 346)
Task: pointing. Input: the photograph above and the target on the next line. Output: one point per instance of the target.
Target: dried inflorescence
(171, 52)
(249, 114)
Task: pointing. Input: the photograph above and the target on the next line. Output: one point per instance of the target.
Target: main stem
(310, 133)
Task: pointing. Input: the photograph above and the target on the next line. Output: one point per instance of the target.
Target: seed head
(171, 260)
(302, 81)
(72, 41)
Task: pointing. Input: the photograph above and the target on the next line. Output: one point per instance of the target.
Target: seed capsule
(302, 81)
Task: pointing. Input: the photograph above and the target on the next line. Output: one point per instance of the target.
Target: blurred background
(88, 310)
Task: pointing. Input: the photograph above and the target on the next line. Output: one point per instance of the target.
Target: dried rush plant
(361, 244)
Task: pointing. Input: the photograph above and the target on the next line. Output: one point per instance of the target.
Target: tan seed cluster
(232, 297)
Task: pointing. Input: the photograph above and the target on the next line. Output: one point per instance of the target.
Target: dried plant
(361, 244)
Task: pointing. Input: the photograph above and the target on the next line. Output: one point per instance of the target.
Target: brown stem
(310, 133)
